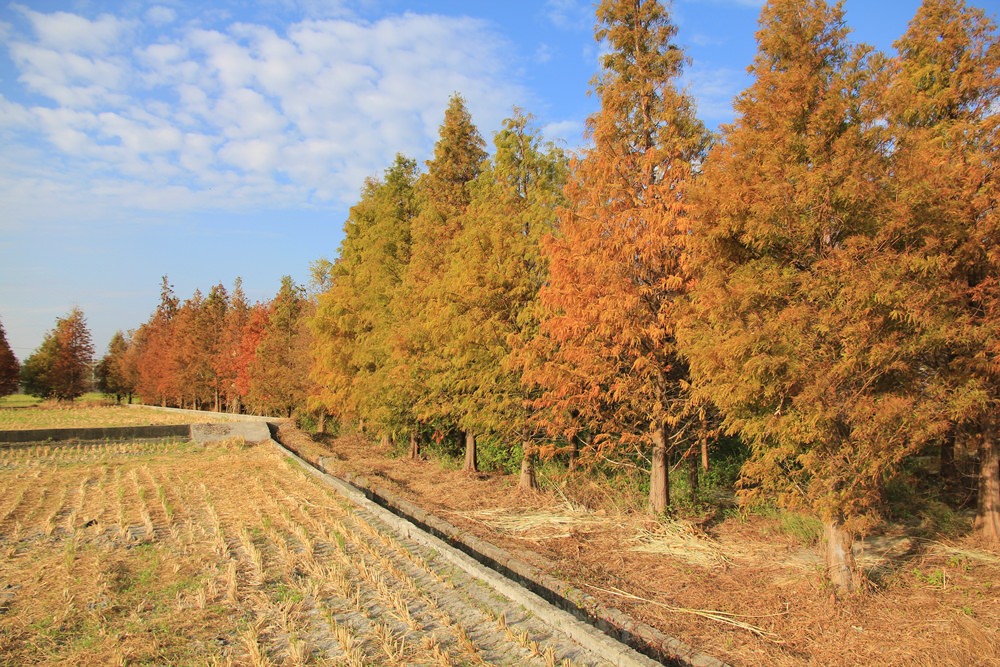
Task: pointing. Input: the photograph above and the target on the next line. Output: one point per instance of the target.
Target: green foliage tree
(113, 377)
(618, 273)
(417, 365)
(10, 369)
(494, 272)
(354, 324)
(36, 369)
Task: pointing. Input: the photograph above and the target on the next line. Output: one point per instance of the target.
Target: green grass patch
(808, 530)
(19, 401)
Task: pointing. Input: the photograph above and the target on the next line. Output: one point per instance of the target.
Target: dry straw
(682, 541)
(724, 617)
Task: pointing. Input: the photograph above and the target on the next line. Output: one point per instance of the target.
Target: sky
(206, 141)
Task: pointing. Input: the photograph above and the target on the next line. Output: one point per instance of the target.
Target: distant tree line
(216, 352)
(821, 280)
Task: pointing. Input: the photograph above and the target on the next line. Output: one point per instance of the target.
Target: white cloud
(68, 78)
(570, 14)
(160, 15)
(65, 31)
(240, 114)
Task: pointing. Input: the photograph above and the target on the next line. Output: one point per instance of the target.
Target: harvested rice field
(158, 553)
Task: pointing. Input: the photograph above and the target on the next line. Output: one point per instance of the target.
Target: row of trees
(216, 352)
(821, 280)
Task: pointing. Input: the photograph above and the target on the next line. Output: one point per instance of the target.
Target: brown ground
(740, 589)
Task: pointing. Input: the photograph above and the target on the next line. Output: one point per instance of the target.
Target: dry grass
(229, 555)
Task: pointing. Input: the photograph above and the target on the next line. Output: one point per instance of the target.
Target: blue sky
(210, 140)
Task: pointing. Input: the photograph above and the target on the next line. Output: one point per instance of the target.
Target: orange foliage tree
(618, 272)
(279, 372)
(943, 117)
(807, 330)
(61, 366)
(154, 360)
(226, 361)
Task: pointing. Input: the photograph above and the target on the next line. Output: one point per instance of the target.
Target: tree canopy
(61, 366)
(617, 261)
(10, 369)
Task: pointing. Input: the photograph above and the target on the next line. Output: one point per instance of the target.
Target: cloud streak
(233, 115)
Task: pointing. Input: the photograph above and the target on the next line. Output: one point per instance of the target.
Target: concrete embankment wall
(251, 431)
(99, 434)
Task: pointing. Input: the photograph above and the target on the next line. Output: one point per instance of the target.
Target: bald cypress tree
(354, 323)
(943, 118)
(617, 267)
(806, 331)
(494, 271)
(419, 367)
(61, 366)
(10, 369)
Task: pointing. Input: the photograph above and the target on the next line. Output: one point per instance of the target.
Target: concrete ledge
(251, 431)
(101, 434)
(639, 636)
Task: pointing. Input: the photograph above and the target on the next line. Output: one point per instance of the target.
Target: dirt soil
(737, 588)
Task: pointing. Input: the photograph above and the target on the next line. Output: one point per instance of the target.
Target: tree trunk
(704, 454)
(321, 422)
(471, 464)
(414, 447)
(528, 480)
(659, 477)
(574, 442)
(386, 441)
(574, 452)
(947, 470)
(840, 566)
(693, 464)
(988, 515)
